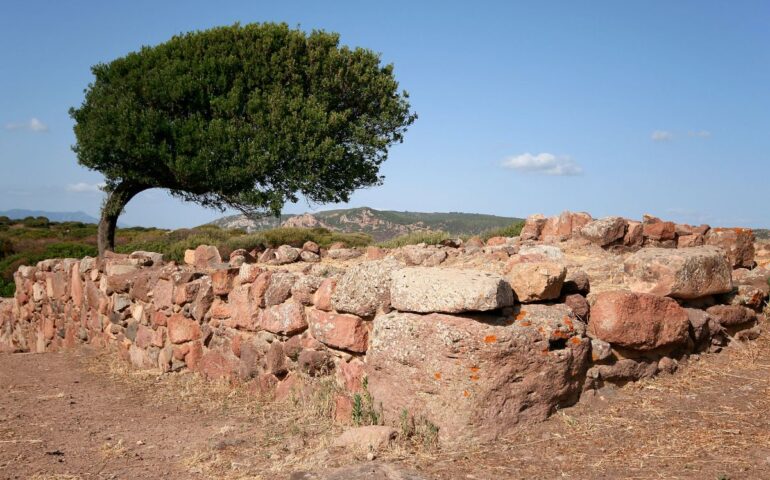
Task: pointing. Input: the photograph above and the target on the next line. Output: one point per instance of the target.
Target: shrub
(512, 230)
(428, 237)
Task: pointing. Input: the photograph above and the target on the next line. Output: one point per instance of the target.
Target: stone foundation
(475, 338)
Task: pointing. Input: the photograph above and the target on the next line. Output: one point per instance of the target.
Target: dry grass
(54, 476)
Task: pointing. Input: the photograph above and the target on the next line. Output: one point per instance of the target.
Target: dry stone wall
(474, 337)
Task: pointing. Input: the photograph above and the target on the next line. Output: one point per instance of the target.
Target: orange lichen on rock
(521, 315)
(437, 375)
(490, 339)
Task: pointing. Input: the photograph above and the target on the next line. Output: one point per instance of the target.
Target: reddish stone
(222, 280)
(691, 240)
(206, 256)
(314, 362)
(144, 337)
(343, 409)
(638, 321)
(375, 253)
(533, 227)
(659, 231)
(496, 241)
(76, 287)
(731, 315)
(351, 374)
(634, 234)
(275, 359)
(578, 304)
(181, 329)
(220, 309)
(214, 364)
(343, 331)
(235, 345)
(279, 288)
(193, 356)
(162, 294)
(259, 287)
(287, 318)
(158, 318)
(243, 313)
(737, 242)
(185, 292)
(310, 246)
(323, 296)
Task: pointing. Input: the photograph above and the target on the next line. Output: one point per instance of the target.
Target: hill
(19, 214)
(380, 224)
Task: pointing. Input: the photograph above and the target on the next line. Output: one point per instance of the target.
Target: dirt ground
(84, 415)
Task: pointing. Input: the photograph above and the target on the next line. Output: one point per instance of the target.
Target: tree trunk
(113, 207)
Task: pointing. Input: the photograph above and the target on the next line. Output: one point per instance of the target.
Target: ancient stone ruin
(474, 337)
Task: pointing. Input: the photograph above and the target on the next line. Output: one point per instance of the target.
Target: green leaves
(245, 116)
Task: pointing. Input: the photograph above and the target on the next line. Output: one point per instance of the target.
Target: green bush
(428, 237)
(512, 230)
(7, 288)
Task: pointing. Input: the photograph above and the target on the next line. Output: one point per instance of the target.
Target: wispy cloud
(83, 187)
(661, 136)
(32, 125)
(543, 163)
(699, 134)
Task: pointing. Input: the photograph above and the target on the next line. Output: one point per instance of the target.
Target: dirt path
(57, 417)
(77, 415)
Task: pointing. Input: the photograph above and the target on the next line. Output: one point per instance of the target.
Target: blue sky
(615, 108)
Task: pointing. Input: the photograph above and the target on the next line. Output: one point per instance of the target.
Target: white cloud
(83, 187)
(33, 125)
(699, 133)
(543, 163)
(661, 136)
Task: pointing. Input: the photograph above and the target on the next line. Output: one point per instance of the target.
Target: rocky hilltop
(380, 224)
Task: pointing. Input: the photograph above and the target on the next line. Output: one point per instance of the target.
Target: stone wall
(473, 337)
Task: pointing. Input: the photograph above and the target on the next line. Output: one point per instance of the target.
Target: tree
(246, 116)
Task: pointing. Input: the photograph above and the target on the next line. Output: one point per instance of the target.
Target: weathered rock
(423, 289)
(578, 304)
(473, 378)
(604, 231)
(311, 247)
(364, 288)
(656, 229)
(564, 226)
(314, 362)
(533, 226)
(286, 254)
(634, 234)
(686, 273)
(638, 321)
(600, 350)
(576, 281)
(692, 240)
(746, 295)
(344, 253)
(758, 278)
(732, 315)
(309, 257)
(737, 242)
(181, 329)
(627, 370)
(279, 288)
(305, 287)
(342, 331)
(548, 252)
(205, 256)
(322, 298)
(287, 318)
(536, 281)
(700, 324)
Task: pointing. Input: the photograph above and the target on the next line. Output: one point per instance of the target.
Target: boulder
(576, 281)
(732, 315)
(475, 378)
(286, 254)
(344, 253)
(364, 288)
(687, 273)
(181, 329)
(634, 234)
(311, 247)
(604, 231)
(691, 240)
(448, 290)
(564, 226)
(658, 230)
(535, 281)
(533, 226)
(287, 318)
(737, 242)
(757, 278)
(341, 331)
(548, 252)
(638, 321)
(205, 256)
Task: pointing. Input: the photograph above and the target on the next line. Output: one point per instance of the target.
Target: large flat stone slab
(448, 290)
(684, 273)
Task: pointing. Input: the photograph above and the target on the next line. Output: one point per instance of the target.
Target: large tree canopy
(243, 116)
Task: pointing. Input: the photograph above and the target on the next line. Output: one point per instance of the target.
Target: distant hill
(380, 224)
(18, 214)
(762, 233)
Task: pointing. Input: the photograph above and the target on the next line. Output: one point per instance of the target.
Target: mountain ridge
(380, 224)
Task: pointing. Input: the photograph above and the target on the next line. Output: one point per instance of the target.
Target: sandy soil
(83, 415)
